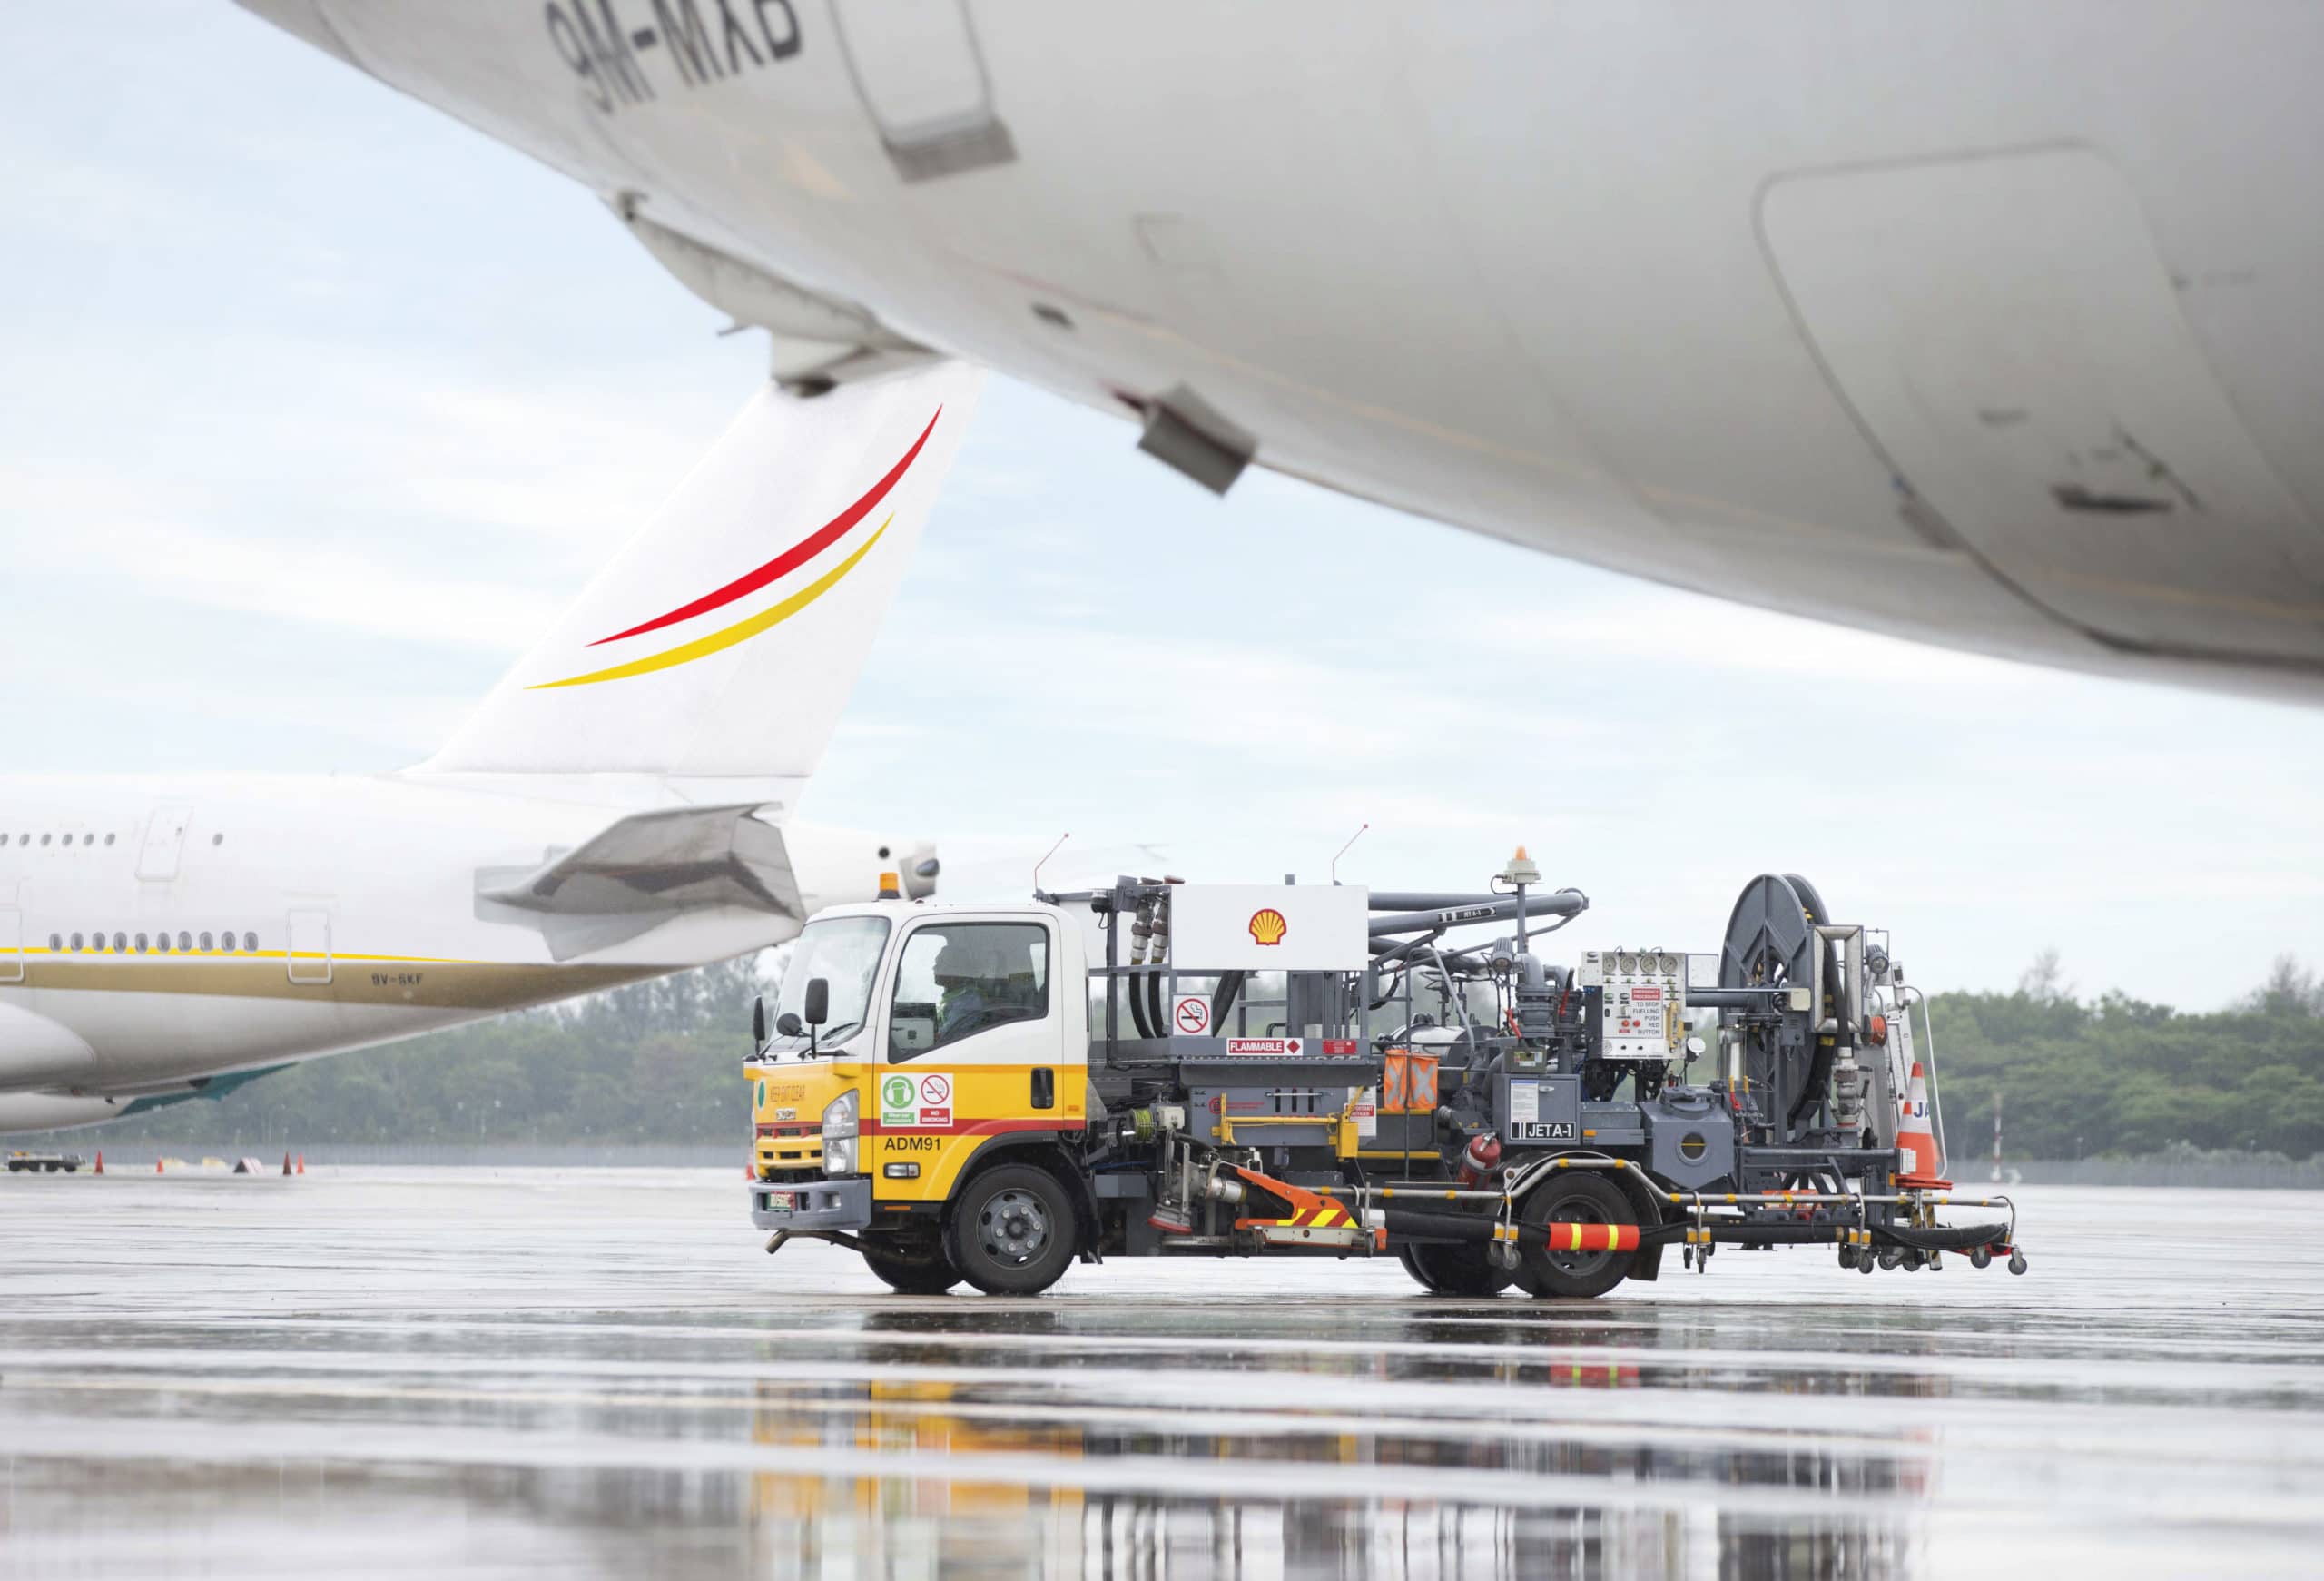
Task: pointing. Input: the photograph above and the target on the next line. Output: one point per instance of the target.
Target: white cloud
(376, 591)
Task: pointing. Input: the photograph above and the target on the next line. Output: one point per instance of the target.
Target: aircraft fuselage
(1984, 324)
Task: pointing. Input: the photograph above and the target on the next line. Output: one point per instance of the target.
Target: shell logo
(1267, 926)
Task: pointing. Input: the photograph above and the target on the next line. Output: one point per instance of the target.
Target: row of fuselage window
(87, 839)
(153, 944)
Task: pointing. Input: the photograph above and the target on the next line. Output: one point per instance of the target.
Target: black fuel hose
(1943, 1236)
(1154, 1010)
(1230, 985)
(1442, 1226)
(1476, 1227)
(1138, 1010)
(1819, 1078)
(1480, 1227)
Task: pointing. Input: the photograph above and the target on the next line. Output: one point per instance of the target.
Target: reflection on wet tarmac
(600, 1375)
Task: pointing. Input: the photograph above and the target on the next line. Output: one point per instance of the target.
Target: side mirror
(758, 1021)
(818, 1008)
(789, 1025)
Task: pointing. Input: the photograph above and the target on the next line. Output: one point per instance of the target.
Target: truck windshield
(844, 952)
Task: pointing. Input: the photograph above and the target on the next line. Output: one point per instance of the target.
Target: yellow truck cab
(921, 1056)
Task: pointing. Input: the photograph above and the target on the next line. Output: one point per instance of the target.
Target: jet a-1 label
(1540, 1131)
(632, 52)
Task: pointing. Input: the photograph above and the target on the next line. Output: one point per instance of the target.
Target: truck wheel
(930, 1276)
(1456, 1270)
(1574, 1199)
(1012, 1231)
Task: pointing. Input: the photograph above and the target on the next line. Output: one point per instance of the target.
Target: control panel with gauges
(1641, 1001)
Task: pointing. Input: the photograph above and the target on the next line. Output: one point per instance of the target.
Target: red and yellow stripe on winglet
(782, 564)
(726, 636)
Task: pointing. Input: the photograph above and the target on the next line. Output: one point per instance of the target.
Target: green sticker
(896, 1092)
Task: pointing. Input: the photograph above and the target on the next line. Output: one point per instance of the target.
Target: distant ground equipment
(20, 1163)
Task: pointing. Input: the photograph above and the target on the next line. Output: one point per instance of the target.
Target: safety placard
(1264, 1045)
(1190, 1016)
(922, 1103)
(1363, 1108)
(1525, 1121)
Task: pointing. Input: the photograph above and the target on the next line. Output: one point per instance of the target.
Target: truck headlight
(840, 1134)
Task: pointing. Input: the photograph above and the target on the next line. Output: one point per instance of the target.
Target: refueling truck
(1162, 1068)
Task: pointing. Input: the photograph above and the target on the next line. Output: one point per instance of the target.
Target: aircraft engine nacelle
(55, 1111)
(837, 866)
(36, 1052)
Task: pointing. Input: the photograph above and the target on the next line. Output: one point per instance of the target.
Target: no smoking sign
(1190, 1014)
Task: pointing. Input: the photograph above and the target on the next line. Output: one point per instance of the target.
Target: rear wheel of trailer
(1573, 1198)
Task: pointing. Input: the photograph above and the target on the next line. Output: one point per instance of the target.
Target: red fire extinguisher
(1482, 1154)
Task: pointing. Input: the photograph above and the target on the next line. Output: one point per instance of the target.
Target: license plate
(781, 1201)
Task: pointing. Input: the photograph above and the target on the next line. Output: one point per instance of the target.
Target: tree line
(660, 1061)
(2117, 1075)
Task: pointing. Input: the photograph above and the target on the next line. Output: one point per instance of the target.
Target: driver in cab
(978, 989)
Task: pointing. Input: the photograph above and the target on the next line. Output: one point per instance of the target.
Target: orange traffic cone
(101, 1162)
(157, 1166)
(302, 1163)
(1919, 1163)
(286, 1164)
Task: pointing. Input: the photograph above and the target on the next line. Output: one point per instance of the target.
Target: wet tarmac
(578, 1373)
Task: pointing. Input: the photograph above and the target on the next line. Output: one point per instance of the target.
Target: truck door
(976, 1030)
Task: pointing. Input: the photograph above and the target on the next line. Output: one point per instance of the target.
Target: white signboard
(1269, 927)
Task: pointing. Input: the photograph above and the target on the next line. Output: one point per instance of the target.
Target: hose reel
(1771, 942)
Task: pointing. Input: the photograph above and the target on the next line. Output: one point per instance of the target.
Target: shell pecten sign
(1269, 927)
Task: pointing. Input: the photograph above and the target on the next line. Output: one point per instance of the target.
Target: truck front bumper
(841, 1204)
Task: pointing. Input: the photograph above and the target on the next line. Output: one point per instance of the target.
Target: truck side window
(956, 979)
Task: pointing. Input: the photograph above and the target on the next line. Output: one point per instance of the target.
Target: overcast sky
(317, 405)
